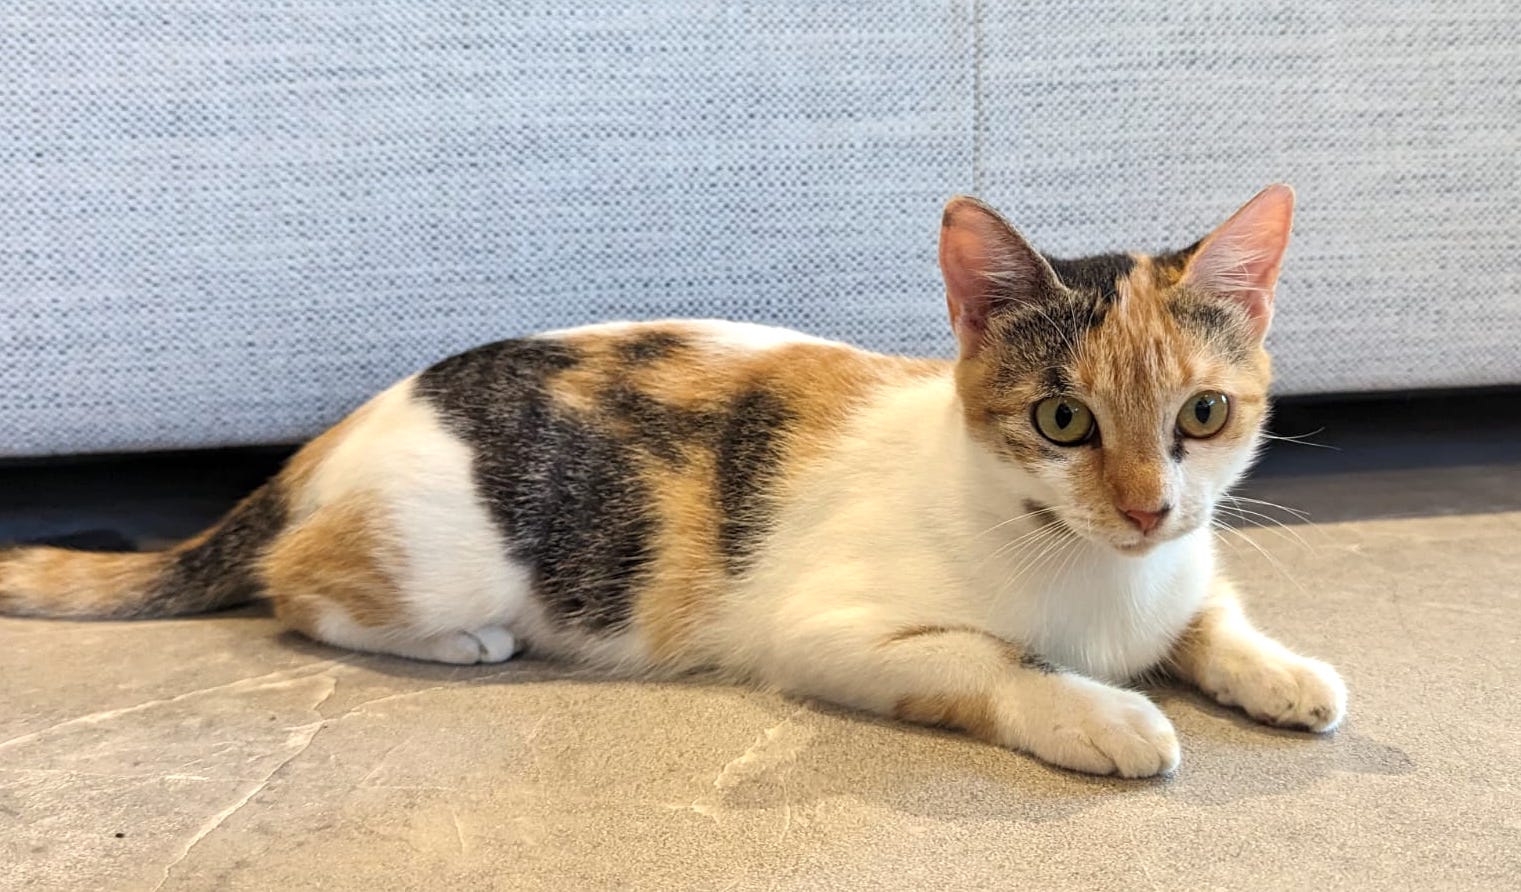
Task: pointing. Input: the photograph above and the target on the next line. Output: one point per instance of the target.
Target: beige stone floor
(218, 753)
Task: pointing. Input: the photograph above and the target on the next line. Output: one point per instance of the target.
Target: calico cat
(993, 544)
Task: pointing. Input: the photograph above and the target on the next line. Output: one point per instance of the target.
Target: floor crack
(301, 737)
(284, 676)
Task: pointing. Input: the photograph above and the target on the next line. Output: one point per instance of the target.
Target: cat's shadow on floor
(807, 752)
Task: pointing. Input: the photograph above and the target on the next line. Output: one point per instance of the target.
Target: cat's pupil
(1202, 410)
(1063, 415)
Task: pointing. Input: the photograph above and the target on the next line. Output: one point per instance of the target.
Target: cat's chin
(1147, 544)
(1130, 545)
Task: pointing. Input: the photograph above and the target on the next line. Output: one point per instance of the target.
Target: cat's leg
(965, 679)
(1237, 665)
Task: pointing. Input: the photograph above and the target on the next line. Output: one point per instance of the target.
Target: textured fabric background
(229, 222)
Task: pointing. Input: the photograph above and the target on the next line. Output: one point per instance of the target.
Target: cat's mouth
(1044, 515)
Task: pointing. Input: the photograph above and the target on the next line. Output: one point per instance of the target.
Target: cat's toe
(1140, 740)
(459, 648)
(496, 644)
(488, 644)
(1320, 699)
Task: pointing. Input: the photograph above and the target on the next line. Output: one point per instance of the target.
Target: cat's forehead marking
(1040, 340)
(1099, 275)
(1139, 352)
(1044, 338)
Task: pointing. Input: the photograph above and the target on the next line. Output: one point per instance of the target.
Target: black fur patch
(650, 346)
(1043, 515)
(1058, 381)
(1039, 339)
(564, 493)
(1099, 274)
(222, 569)
(1037, 663)
(1169, 266)
(663, 430)
(749, 457)
(1041, 334)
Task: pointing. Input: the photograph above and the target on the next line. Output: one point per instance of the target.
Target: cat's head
(1131, 389)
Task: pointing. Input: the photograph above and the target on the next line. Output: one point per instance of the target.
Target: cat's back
(649, 383)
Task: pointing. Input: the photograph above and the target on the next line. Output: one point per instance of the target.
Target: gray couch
(228, 222)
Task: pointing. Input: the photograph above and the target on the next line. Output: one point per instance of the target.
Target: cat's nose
(1146, 520)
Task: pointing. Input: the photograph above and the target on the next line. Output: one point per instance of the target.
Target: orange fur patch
(61, 582)
(344, 555)
(974, 714)
(984, 403)
(1192, 647)
(687, 571)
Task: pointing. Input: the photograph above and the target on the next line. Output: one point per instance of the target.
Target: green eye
(1063, 420)
(1204, 414)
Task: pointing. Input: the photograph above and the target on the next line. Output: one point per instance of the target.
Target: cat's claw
(1098, 729)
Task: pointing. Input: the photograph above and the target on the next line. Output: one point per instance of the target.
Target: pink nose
(1146, 520)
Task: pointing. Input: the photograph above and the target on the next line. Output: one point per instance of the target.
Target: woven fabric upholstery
(229, 222)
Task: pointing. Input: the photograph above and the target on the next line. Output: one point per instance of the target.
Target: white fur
(491, 644)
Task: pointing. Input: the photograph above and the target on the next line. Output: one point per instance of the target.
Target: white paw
(1087, 726)
(490, 644)
(1281, 689)
(496, 644)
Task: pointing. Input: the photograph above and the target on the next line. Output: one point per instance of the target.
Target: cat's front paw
(1098, 729)
(1286, 690)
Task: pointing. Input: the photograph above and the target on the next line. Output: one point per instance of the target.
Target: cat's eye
(1064, 421)
(1204, 414)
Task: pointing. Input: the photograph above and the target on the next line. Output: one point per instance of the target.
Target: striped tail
(218, 568)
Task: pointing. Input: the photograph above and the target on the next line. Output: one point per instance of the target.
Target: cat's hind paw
(489, 644)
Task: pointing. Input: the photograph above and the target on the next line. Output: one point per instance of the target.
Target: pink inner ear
(1241, 258)
(963, 261)
(985, 264)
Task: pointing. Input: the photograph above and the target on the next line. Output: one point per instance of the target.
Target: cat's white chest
(1111, 617)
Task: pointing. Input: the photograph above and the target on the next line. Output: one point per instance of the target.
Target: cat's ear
(1240, 259)
(988, 267)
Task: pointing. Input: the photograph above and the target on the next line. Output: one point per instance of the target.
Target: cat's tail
(218, 568)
